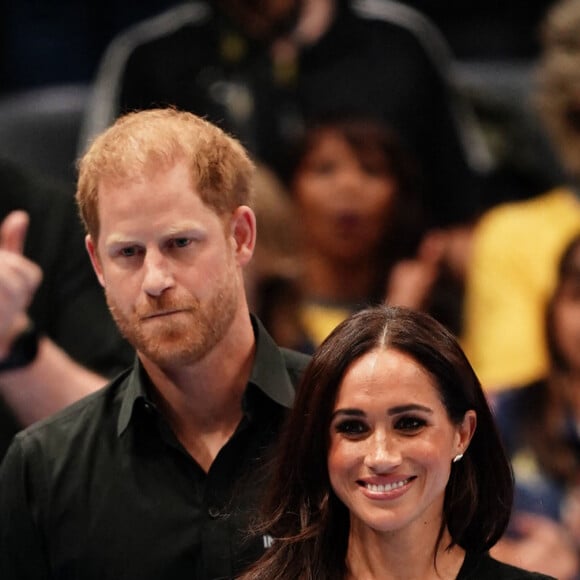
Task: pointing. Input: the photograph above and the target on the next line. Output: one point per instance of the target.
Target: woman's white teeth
(386, 487)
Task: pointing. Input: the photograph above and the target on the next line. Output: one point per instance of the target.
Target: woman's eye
(410, 424)
(351, 427)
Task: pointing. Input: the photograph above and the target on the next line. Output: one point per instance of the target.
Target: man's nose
(158, 276)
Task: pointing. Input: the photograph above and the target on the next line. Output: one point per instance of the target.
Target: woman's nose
(383, 454)
(350, 178)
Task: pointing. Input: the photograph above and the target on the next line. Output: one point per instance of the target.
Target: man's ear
(243, 231)
(92, 250)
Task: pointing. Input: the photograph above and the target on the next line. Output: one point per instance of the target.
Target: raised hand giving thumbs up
(19, 279)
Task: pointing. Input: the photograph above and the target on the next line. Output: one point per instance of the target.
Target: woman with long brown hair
(390, 466)
(539, 425)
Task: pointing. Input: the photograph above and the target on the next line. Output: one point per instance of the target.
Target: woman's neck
(395, 556)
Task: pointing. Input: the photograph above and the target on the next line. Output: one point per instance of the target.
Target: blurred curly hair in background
(558, 89)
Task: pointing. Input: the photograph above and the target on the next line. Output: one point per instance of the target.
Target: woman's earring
(457, 457)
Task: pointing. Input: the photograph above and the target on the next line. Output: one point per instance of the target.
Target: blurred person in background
(263, 69)
(516, 246)
(58, 341)
(363, 230)
(272, 276)
(539, 426)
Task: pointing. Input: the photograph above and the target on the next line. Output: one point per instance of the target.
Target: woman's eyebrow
(406, 408)
(348, 413)
(392, 411)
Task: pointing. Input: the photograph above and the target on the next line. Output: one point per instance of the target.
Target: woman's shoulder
(484, 567)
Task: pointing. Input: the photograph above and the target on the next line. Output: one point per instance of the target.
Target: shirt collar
(134, 392)
(269, 375)
(269, 371)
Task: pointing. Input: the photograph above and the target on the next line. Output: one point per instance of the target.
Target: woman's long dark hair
(309, 524)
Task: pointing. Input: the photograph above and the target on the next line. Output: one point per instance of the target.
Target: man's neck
(203, 402)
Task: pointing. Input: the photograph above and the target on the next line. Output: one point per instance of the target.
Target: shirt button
(213, 512)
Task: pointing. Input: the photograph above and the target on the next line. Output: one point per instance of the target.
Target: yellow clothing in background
(319, 319)
(511, 274)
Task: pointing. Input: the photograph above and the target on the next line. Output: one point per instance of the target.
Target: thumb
(13, 231)
(432, 247)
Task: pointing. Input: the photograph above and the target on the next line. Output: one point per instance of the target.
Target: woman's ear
(92, 250)
(243, 231)
(465, 432)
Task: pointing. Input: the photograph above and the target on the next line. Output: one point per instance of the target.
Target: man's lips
(161, 313)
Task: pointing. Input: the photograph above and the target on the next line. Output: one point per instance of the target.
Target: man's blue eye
(128, 252)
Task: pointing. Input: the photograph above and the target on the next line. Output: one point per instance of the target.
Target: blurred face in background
(263, 20)
(344, 197)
